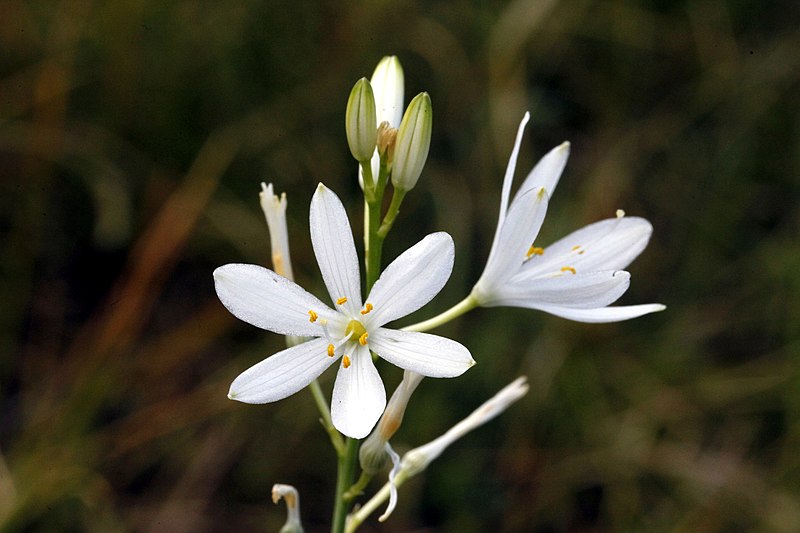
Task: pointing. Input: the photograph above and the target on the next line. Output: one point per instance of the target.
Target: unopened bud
(413, 143)
(361, 121)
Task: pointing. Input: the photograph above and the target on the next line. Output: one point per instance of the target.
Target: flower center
(356, 332)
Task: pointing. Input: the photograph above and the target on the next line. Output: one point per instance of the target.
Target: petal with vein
(610, 244)
(583, 291)
(282, 374)
(412, 280)
(602, 314)
(519, 230)
(547, 171)
(266, 300)
(335, 249)
(358, 395)
(423, 353)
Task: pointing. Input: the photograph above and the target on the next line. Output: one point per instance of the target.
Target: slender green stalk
(467, 304)
(345, 473)
(358, 487)
(358, 517)
(391, 214)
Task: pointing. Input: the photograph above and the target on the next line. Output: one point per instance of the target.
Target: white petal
(388, 86)
(610, 244)
(507, 179)
(358, 395)
(266, 300)
(584, 291)
(519, 230)
(423, 353)
(547, 171)
(335, 249)
(602, 314)
(282, 374)
(411, 280)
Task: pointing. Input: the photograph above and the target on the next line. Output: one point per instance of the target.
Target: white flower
(578, 276)
(348, 331)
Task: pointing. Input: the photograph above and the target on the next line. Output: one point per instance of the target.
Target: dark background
(133, 138)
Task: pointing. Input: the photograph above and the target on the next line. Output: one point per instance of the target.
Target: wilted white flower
(292, 498)
(578, 276)
(274, 208)
(348, 331)
(418, 459)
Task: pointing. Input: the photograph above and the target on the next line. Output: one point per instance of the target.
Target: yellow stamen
(576, 247)
(568, 269)
(346, 362)
(367, 309)
(620, 213)
(312, 316)
(534, 250)
(341, 300)
(331, 350)
(362, 340)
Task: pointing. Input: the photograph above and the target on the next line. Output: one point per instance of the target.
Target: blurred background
(133, 139)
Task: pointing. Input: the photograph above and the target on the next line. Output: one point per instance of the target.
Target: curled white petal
(392, 487)
(335, 249)
(358, 395)
(282, 374)
(413, 279)
(602, 314)
(266, 300)
(423, 353)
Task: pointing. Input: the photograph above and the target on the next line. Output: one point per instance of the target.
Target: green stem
(391, 214)
(345, 473)
(358, 517)
(358, 487)
(467, 304)
(373, 244)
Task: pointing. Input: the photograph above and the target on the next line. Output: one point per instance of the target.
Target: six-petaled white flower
(578, 276)
(349, 330)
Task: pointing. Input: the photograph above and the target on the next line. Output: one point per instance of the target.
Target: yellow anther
(331, 350)
(362, 340)
(341, 300)
(367, 309)
(568, 269)
(576, 247)
(346, 362)
(620, 213)
(534, 250)
(312, 316)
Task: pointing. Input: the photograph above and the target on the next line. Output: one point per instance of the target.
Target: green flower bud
(413, 143)
(361, 122)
